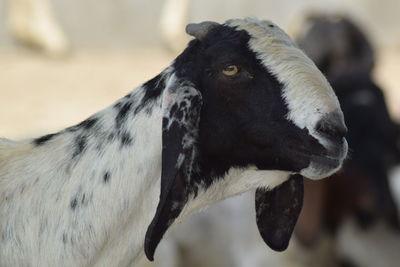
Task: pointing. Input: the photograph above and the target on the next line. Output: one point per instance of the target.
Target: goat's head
(244, 95)
(336, 44)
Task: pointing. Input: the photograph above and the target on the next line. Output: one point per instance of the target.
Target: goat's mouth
(323, 166)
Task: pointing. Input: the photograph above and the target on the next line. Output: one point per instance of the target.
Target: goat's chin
(322, 167)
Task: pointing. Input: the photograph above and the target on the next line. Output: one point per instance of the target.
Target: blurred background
(63, 60)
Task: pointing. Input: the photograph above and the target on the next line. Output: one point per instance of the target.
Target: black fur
(243, 118)
(126, 139)
(74, 203)
(106, 177)
(88, 124)
(154, 88)
(64, 238)
(122, 114)
(277, 212)
(79, 145)
(44, 139)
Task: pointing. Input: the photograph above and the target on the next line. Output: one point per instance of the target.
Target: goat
(34, 23)
(241, 108)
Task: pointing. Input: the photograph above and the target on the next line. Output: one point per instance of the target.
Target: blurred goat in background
(361, 190)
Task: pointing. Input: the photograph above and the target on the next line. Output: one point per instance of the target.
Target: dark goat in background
(361, 189)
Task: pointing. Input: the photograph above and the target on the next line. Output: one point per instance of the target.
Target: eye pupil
(230, 70)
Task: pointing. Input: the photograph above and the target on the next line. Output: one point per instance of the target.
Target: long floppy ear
(181, 117)
(277, 212)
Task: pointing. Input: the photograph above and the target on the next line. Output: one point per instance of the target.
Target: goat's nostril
(332, 126)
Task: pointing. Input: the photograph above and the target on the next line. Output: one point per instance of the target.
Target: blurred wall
(125, 23)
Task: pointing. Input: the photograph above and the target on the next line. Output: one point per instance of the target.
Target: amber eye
(230, 70)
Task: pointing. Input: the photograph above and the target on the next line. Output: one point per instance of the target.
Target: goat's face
(265, 102)
(243, 94)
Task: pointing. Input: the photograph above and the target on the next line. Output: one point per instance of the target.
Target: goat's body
(76, 206)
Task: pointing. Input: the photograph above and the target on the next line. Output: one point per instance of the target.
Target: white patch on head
(306, 91)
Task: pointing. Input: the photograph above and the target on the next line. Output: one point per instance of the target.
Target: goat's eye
(230, 70)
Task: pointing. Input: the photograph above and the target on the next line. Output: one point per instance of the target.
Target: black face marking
(106, 177)
(44, 139)
(243, 119)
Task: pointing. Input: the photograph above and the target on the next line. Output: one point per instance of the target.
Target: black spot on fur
(122, 114)
(85, 125)
(44, 139)
(111, 137)
(88, 124)
(126, 139)
(153, 90)
(79, 145)
(64, 238)
(74, 203)
(118, 105)
(106, 177)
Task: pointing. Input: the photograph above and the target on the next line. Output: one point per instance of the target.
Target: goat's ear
(182, 107)
(277, 211)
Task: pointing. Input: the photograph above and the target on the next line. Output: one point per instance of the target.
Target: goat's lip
(322, 166)
(328, 161)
